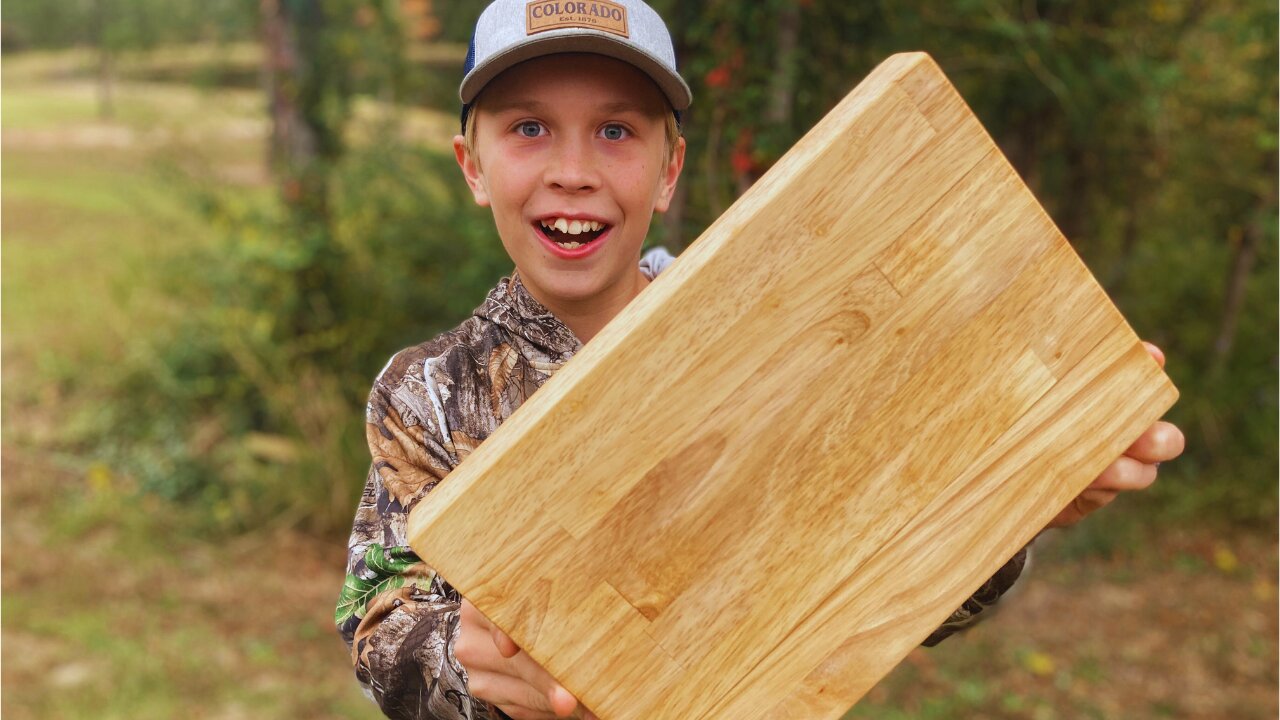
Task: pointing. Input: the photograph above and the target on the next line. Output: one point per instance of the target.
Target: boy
(570, 136)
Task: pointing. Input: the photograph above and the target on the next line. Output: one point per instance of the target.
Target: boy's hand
(1134, 470)
(501, 673)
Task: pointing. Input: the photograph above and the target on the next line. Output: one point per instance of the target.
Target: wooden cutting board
(805, 444)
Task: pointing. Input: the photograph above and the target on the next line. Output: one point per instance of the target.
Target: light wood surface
(864, 388)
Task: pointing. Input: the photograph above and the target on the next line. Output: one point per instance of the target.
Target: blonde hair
(671, 127)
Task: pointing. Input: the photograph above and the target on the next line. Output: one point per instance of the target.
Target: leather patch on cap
(543, 15)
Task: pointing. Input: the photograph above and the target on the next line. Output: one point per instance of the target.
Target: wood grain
(865, 387)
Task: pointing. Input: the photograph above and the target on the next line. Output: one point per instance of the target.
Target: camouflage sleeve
(397, 616)
(971, 611)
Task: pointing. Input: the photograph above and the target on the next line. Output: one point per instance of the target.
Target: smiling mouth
(572, 234)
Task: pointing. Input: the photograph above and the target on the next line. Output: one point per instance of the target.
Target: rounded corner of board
(906, 61)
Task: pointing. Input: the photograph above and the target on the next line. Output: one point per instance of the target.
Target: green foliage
(249, 405)
(124, 24)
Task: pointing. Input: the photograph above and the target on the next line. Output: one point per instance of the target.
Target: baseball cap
(512, 31)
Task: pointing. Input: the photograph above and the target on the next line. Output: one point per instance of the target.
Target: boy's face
(577, 141)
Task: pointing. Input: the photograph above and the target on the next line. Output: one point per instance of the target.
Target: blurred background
(221, 217)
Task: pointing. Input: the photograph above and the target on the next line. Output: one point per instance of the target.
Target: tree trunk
(1118, 274)
(1246, 251)
(1023, 148)
(782, 85)
(106, 94)
(293, 140)
(106, 73)
(1075, 210)
(711, 162)
(673, 220)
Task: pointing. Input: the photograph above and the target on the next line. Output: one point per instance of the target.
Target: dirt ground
(1183, 626)
(111, 616)
(135, 620)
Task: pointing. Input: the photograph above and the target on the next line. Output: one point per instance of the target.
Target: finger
(519, 713)
(1081, 505)
(491, 656)
(506, 646)
(1125, 473)
(563, 703)
(1162, 441)
(472, 616)
(1156, 352)
(505, 690)
(1094, 499)
(468, 613)
(475, 651)
(500, 677)
(528, 669)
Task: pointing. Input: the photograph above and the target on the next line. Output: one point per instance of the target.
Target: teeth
(571, 245)
(572, 227)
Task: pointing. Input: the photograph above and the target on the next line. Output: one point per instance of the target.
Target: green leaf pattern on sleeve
(388, 569)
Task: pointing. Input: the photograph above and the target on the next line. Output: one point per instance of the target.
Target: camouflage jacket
(428, 409)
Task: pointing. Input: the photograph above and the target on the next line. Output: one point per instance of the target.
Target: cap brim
(583, 41)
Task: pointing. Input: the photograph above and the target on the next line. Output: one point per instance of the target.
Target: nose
(573, 167)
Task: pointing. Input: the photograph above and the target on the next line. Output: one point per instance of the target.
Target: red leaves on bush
(719, 77)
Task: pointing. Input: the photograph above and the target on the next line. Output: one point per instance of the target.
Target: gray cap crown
(512, 31)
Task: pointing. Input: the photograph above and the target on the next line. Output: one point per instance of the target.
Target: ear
(669, 177)
(471, 171)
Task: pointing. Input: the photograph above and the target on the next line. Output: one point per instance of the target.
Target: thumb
(562, 701)
(1156, 352)
(506, 646)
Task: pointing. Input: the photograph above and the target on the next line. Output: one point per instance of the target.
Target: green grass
(165, 638)
(81, 234)
(113, 610)
(31, 108)
(92, 209)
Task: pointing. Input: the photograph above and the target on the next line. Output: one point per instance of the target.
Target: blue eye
(529, 128)
(614, 132)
